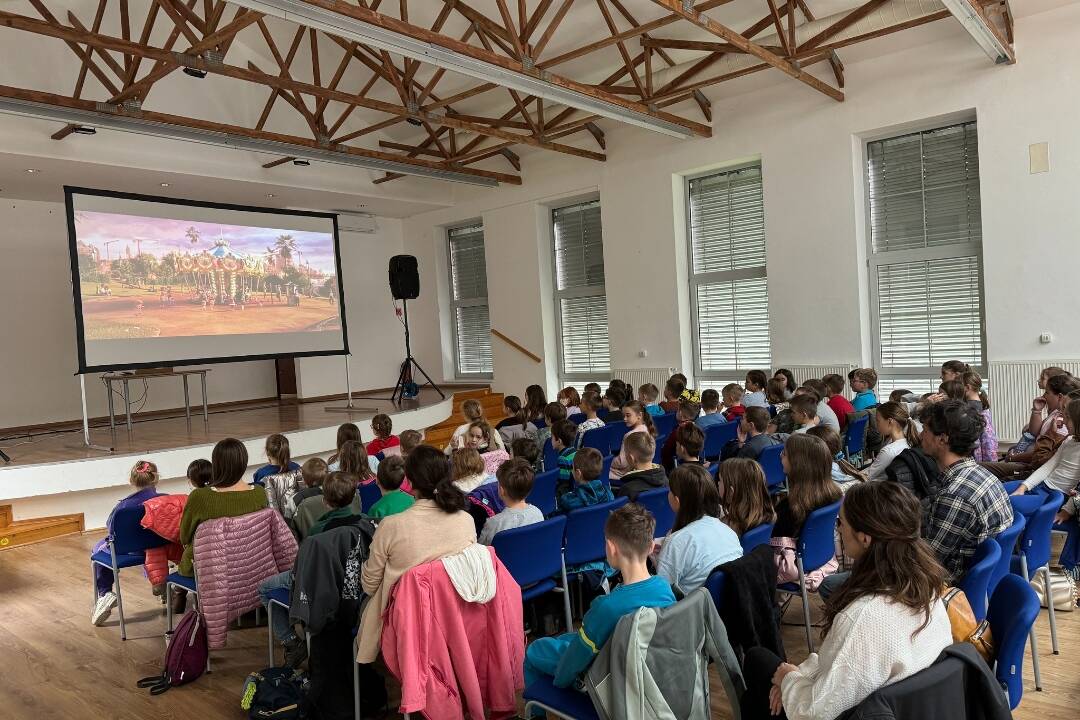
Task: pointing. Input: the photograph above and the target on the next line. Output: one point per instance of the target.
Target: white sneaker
(103, 609)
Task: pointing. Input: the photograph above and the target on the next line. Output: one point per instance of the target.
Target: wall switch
(1046, 338)
(1039, 158)
(643, 353)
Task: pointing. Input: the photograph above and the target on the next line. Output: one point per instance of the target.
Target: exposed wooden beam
(842, 24)
(84, 68)
(597, 134)
(512, 158)
(703, 45)
(85, 56)
(976, 8)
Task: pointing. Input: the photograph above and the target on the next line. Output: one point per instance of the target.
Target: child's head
(804, 408)
(808, 464)
(755, 380)
(339, 489)
(277, 451)
(681, 378)
(314, 472)
(590, 402)
(807, 390)
(568, 397)
(973, 384)
(745, 497)
(200, 472)
(634, 414)
(817, 386)
(628, 535)
(382, 425)
(953, 390)
(391, 473)
(144, 474)
(554, 412)
(776, 390)
(692, 494)
(953, 370)
(409, 440)
(688, 410)
(673, 388)
(472, 410)
(829, 436)
(710, 400)
(479, 436)
(345, 433)
(525, 448)
(864, 379)
(620, 385)
(689, 441)
(563, 433)
(755, 421)
(588, 464)
(515, 478)
(733, 394)
(535, 400)
(592, 387)
(898, 395)
(640, 447)
(787, 376)
(614, 398)
(353, 460)
(465, 463)
(512, 405)
(834, 384)
(648, 394)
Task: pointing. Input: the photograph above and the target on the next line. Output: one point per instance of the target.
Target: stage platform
(61, 463)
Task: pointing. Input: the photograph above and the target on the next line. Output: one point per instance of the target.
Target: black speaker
(404, 277)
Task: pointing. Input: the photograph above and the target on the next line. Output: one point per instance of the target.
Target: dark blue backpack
(276, 692)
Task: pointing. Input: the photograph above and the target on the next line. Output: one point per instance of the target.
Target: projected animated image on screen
(151, 277)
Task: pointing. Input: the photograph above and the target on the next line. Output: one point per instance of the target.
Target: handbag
(1062, 590)
(185, 656)
(964, 626)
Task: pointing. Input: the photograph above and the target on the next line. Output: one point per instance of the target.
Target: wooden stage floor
(250, 420)
(57, 665)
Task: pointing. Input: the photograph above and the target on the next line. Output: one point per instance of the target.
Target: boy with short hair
(804, 411)
(647, 395)
(562, 439)
(733, 405)
(613, 402)
(527, 449)
(515, 479)
(752, 438)
(672, 390)
(628, 540)
(825, 413)
(686, 414)
(592, 387)
(644, 474)
(339, 490)
(382, 426)
(689, 443)
(410, 440)
(553, 413)
(590, 404)
(710, 409)
(834, 390)
(755, 389)
(863, 382)
(313, 472)
(389, 478)
(589, 489)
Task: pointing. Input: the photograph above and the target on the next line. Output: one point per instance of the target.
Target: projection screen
(162, 282)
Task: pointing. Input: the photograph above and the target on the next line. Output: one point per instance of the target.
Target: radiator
(805, 372)
(1011, 387)
(637, 377)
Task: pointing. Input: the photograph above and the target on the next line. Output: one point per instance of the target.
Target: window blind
(468, 286)
(580, 299)
(728, 275)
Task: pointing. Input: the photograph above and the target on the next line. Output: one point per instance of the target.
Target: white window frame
(468, 302)
(896, 377)
(565, 377)
(725, 375)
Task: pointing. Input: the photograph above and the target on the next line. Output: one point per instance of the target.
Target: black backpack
(918, 473)
(276, 692)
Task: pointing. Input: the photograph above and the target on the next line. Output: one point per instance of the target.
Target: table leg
(112, 410)
(187, 401)
(127, 404)
(205, 411)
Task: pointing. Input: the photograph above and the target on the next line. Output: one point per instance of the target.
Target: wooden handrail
(519, 348)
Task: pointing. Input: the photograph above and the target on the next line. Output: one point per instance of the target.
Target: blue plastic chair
(543, 492)
(576, 418)
(716, 437)
(1006, 540)
(598, 438)
(565, 703)
(605, 471)
(715, 585)
(618, 432)
(1011, 613)
(369, 495)
(181, 581)
(533, 556)
(977, 578)
(126, 547)
(551, 456)
(769, 459)
(665, 424)
(280, 597)
(814, 547)
(539, 424)
(855, 439)
(656, 502)
(584, 539)
(660, 440)
(754, 537)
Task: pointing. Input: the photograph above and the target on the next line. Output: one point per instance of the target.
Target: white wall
(810, 149)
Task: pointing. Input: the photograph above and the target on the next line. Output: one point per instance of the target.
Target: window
(728, 295)
(468, 301)
(580, 303)
(925, 253)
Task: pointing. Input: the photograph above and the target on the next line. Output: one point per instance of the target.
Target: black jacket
(918, 473)
(958, 686)
(639, 481)
(748, 608)
(319, 572)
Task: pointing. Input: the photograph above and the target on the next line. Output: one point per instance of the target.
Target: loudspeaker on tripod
(404, 277)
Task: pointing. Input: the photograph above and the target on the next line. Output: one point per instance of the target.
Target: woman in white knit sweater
(887, 621)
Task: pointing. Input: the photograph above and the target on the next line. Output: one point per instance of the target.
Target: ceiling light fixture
(979, 29)
(300, 162)
(195, 72)
(84, 130)
(352, 28)
(32, 170)
(171, 131)
(270, 195)
(164, 184)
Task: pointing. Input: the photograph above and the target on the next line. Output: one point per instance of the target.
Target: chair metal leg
(566, 599)
(1050, 607)
(168, 603)
(119, 595)
(356, 680)
(805, 603)
(270, 632)
(93, 587)
(1031, 634)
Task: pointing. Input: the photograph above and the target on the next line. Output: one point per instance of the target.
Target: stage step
(24, 532)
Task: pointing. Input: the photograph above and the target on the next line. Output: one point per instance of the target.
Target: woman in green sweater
(225, 496)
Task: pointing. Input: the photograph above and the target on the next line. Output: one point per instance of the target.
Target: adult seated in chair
(885, 624)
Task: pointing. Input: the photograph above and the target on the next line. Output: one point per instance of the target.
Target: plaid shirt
(971, 506)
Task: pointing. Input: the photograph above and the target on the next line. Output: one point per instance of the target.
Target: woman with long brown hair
(886, 623)
(808, 465)
(745, 498)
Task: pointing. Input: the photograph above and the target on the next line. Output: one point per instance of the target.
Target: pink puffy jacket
(232, 556)
(162, 516)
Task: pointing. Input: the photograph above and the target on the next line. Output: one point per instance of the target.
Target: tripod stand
(407, 365)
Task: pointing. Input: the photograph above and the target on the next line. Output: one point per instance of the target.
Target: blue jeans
(279, 616)
(832, 583)
(542, 658)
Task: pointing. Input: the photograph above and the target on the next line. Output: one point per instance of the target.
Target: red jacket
(454, 659)
(162, 516)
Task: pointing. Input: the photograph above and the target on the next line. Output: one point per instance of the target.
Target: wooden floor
(241, 421)
(54, 664)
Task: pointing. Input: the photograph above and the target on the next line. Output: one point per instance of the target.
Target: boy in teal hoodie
(588, 489)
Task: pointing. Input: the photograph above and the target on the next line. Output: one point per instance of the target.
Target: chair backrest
(659, 452)
(717, 436)
(855, 440)
(1006, 540)
(618, 432)
(756, 536)
(576, 418)
(665, 423)
(1036, 537)
(816, 543)
(534, 552)
(369, 495)
(539, 423)
(715, 585)
(605, 471)
(656, 502)
(129, 536)
(551, 457)
(543, 492)
(1012, 611)
(977, 578)
(769, 459)
(584, 540)
(598, 438)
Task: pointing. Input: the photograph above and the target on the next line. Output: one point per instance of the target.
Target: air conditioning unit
(357, 222)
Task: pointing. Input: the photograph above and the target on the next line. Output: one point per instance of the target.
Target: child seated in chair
(733, 406)
(689, 444)
(644, 474)
(389, 478)
(589, 489)
(385, 441)
(515, 479)
(278, 459)
(628, 540)
(563, 434)
(686, 414)
(590, 404)
(710, 410)
(649, 396)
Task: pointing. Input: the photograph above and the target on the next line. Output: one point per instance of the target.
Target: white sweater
(1061, 471)
(868, 647)
(884, 458)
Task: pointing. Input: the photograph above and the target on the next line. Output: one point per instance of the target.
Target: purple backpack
(185, 656)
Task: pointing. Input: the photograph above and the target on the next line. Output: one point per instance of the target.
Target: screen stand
(86, 419)
(349, 407)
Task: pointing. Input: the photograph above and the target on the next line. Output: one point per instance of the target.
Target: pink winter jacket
(232, 556)
(454, 659)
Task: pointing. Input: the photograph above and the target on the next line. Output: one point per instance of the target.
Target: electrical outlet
(1046, 338)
